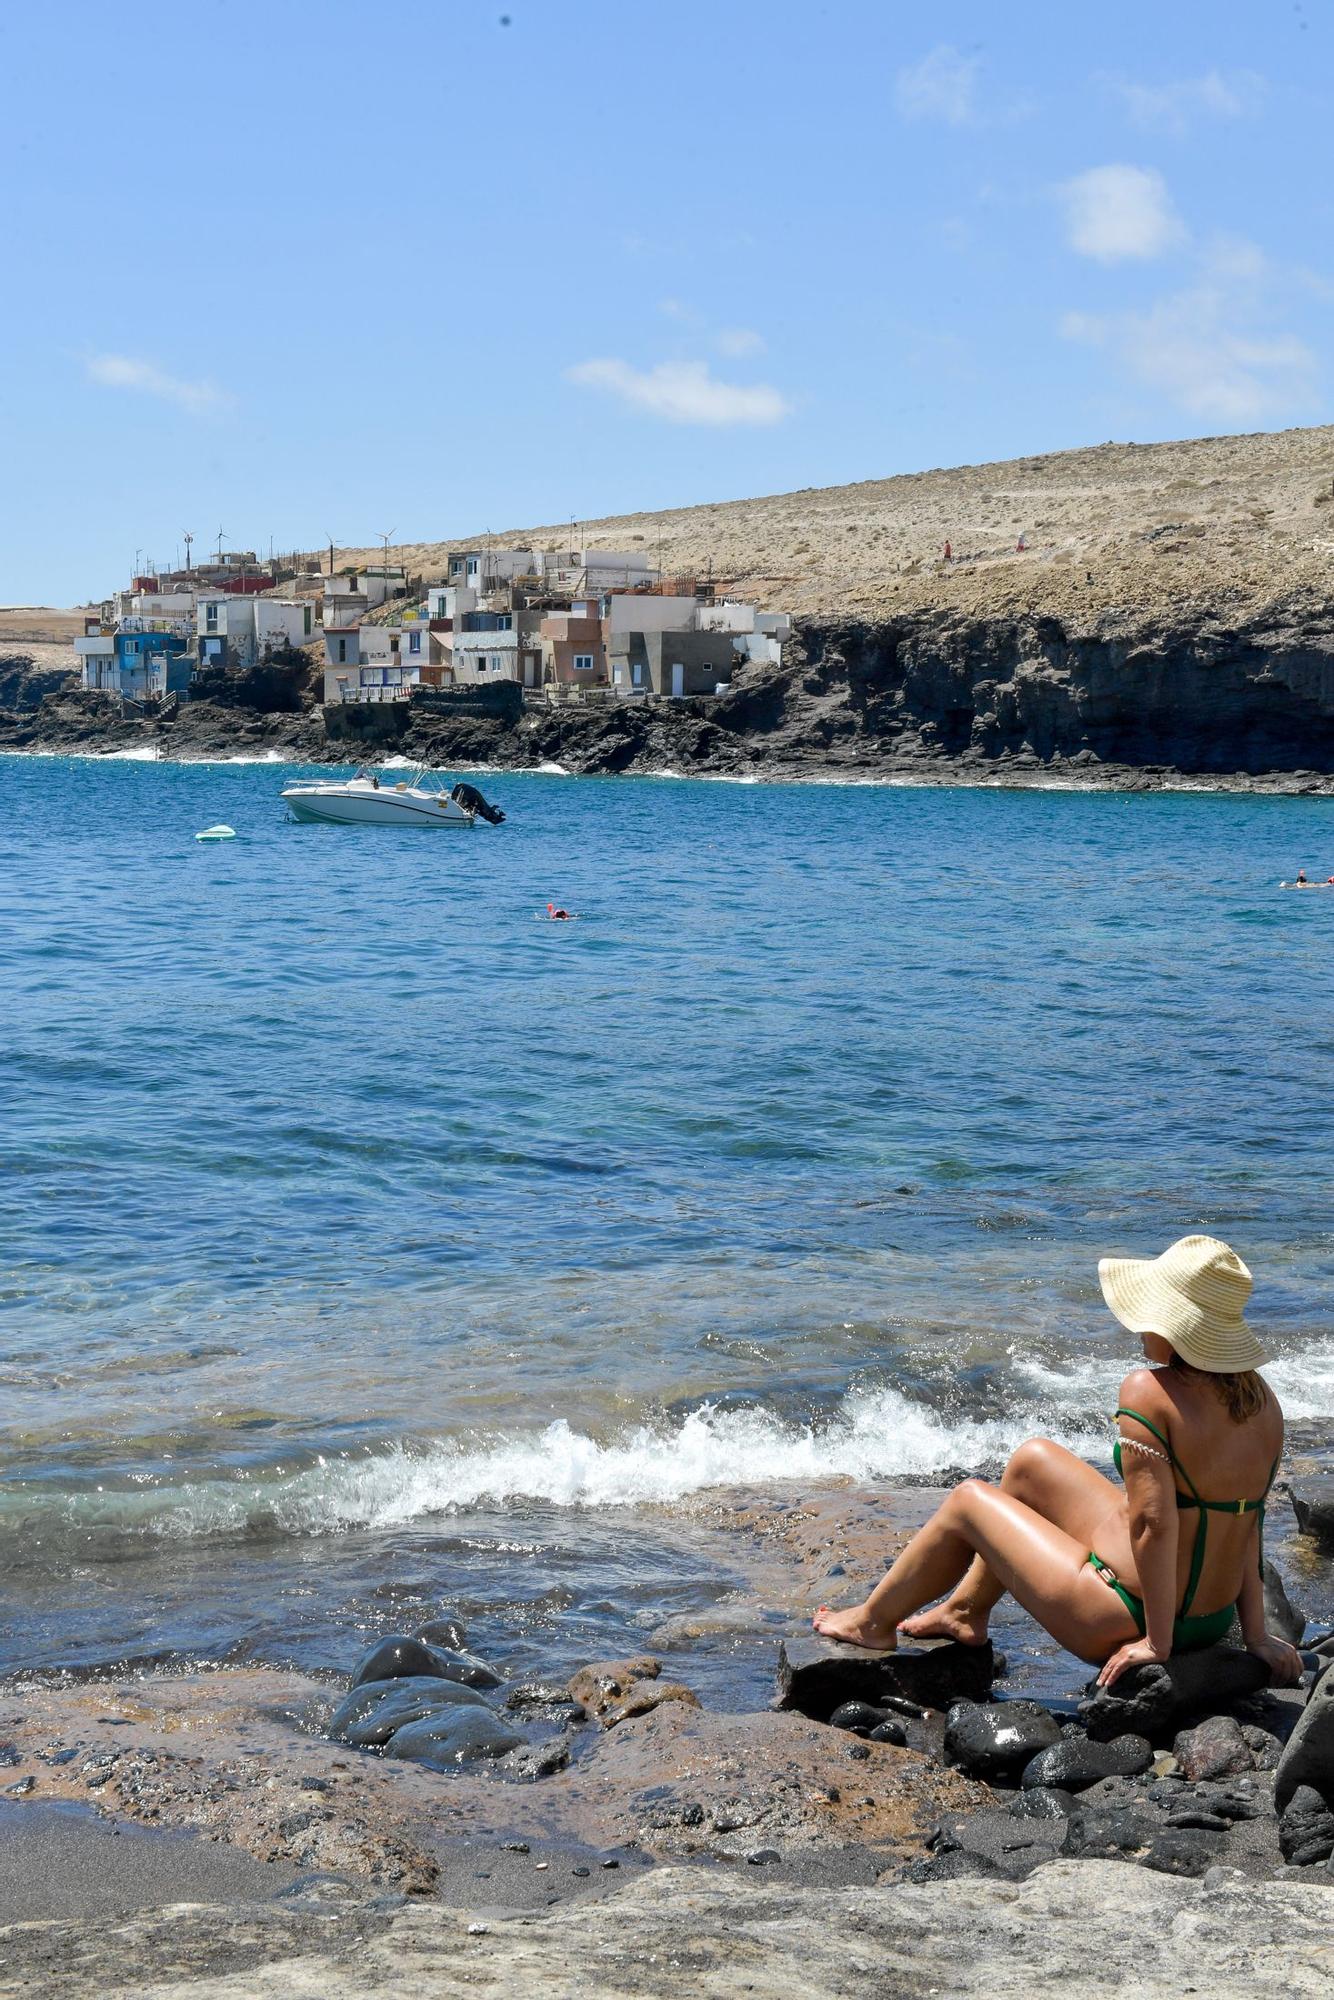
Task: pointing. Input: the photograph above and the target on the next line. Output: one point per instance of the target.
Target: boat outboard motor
(472, 801)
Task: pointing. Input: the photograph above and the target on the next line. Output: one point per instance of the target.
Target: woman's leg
(1066, 1491)
(1038, 1563)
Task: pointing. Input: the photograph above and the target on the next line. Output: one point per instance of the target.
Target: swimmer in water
(559, 916)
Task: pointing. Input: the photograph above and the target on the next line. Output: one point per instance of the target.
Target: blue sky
(326, 270)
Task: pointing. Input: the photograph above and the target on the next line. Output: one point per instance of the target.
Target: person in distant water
(1120, 1576)
(558, 915)
(1302, 882)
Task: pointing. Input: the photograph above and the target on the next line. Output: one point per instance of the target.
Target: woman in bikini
(1120, 1578)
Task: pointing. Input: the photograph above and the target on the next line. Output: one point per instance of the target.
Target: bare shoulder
(1143, 1390)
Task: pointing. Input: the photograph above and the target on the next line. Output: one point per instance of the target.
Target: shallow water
(359, 1223)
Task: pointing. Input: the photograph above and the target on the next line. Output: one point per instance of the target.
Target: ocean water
(372, 1244)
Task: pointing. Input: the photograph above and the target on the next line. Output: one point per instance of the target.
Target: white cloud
(683, 392)
(1172, 107)
(942, 85)
(122, 371)
(737, 340)
(1115, 213)
(1203, 348)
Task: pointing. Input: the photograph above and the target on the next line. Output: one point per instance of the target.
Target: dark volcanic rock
(1044, 1802)
(1075, 1763)
(399, 1657)
(859, 1716)
(446, 1632)
(816, 1676)
(369, 1715)
(891, 1730)
(1309, 1756)
(1282, 1616)
(1152, 1700)
(454, 1735)
(1306, 1830)
(997, 1739)
(1214, 1749)
(1313, 1504)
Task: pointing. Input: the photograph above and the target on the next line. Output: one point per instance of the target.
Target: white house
(282, 621)
(97, 660)
(592, 571)
(225, 629)
(485, 569)
(385, 680)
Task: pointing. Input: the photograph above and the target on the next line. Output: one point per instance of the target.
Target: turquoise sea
(370, 1241)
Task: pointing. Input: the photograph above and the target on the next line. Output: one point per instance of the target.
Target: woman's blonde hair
(1242, 1396)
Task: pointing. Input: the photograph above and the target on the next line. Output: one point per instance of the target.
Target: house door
(678, 680)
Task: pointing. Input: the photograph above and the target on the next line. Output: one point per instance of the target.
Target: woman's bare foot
(854, 1628)
(947, 1621)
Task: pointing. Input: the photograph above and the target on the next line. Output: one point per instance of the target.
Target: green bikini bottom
(1188, 1634)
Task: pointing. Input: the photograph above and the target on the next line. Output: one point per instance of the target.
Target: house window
(637, 674)
(472, 565)
(583, 663)
(342, 652)
(616, 676)
(414, 642)
(505, 623)
(211, 618)
(131, 645)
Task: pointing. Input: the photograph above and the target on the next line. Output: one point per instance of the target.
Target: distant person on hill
(949, 553)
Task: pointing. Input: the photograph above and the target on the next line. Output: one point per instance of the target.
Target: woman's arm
(1151, 1501)
(1151, 1498)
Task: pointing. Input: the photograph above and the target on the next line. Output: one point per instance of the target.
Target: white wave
(880, 1435)
(143, 753)
(554, 770)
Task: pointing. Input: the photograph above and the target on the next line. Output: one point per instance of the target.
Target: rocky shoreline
(423, 1803)
(1206, 698)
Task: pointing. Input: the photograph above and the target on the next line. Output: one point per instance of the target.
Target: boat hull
(347, 805)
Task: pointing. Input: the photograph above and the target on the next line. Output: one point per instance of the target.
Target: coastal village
(562, 624)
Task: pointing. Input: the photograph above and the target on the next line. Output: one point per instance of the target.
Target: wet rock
(1306, 1828)
(1105, 1833)
(1214, 1749)
(891, 1730)
(544, 1698)
(1282, 1616)
(1313, 1504)
(1309, 1756)
(859, 1716)
(1043, 1802)
(540, 1760)
(368, 1716)
(402, 1658)
(446, 1632)
(612, 1690)
(997, 1739)
(454, 1735)
(816, 1676)
(1075, 1763)
(9, 1756)
(1155, 1700)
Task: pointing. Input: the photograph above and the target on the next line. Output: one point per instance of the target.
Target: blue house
(152, 663)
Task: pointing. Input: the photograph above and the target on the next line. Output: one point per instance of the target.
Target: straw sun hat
(1192, 1297)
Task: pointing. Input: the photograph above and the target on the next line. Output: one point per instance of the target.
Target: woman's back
(1224, 1459)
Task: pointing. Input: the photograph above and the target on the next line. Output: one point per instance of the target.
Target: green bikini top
(1206, 1507)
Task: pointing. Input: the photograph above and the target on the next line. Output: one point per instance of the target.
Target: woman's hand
(1139, 1653)
(1283, 1661)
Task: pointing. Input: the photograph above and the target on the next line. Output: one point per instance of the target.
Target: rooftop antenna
(188, 539)
(331, 555)
(222, 532)
(384, 543)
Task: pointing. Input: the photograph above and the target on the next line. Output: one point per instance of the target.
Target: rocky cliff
(934, 694)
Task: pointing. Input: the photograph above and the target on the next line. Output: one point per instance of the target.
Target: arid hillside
(1237, 519)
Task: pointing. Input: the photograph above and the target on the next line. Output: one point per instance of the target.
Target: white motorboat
(368, 800)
